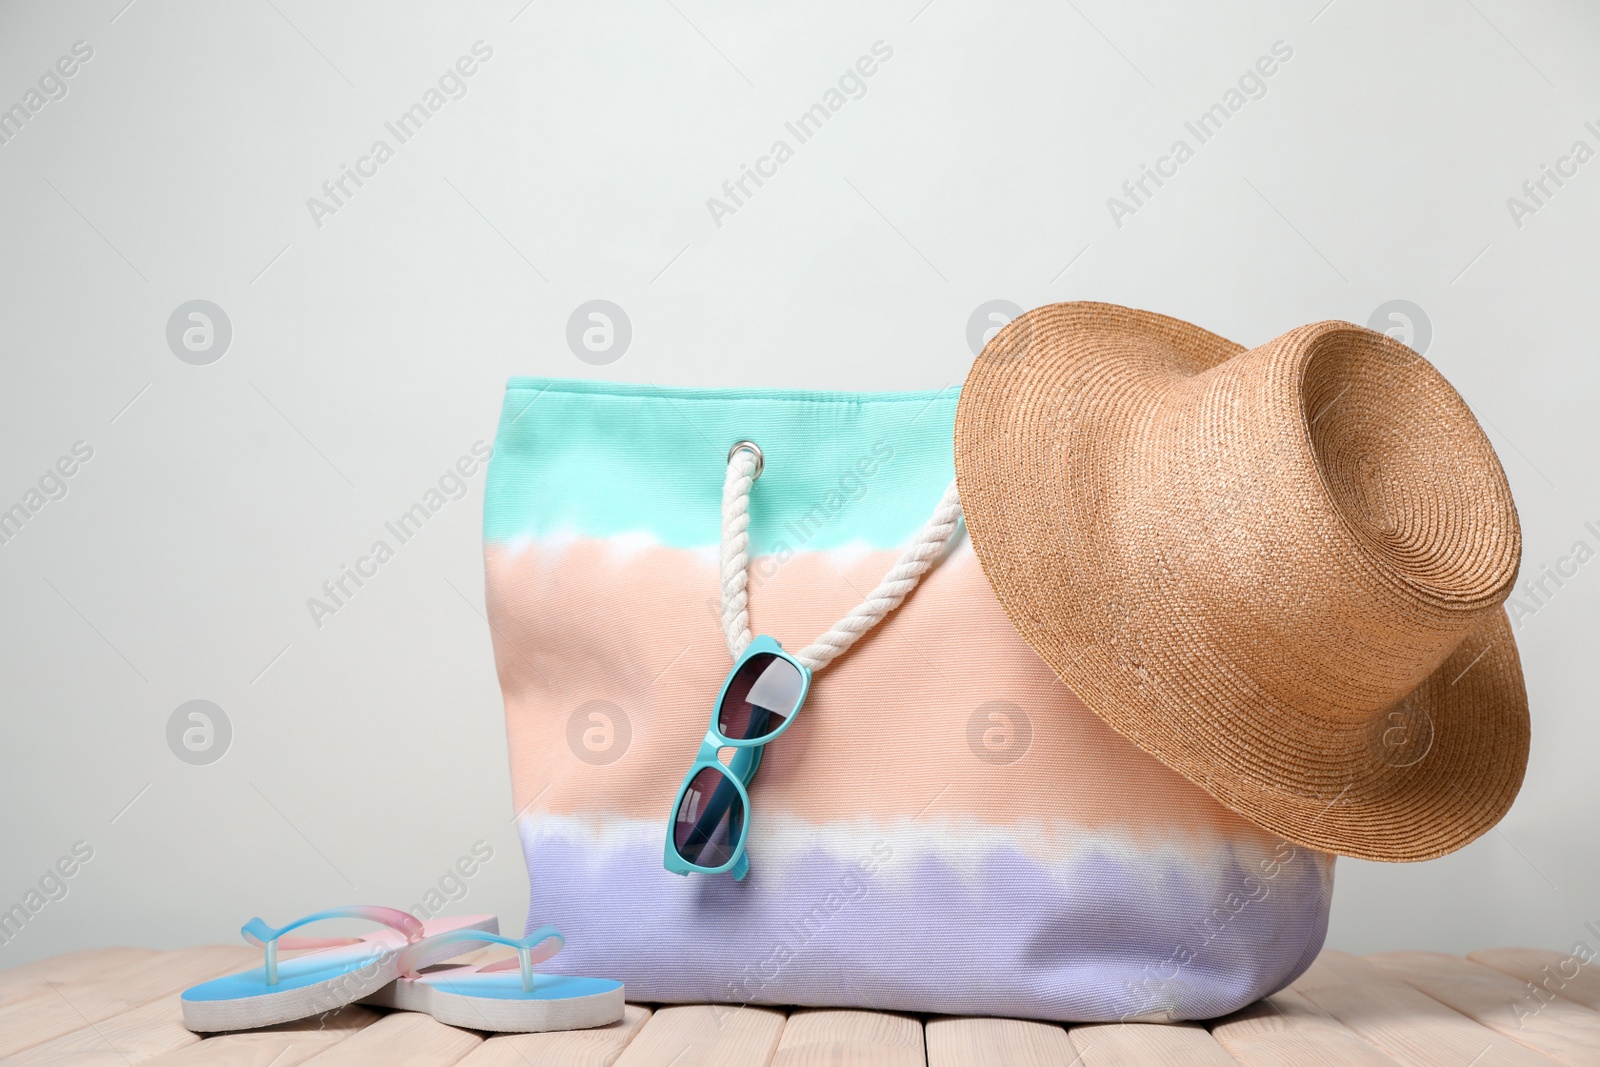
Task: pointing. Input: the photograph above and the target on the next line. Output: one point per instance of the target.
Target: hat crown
(1328, 512)
(1407, 467)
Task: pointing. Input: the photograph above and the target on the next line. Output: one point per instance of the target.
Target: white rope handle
(736, 550)
(917, 559)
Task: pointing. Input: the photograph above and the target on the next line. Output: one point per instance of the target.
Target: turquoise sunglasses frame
(740, 770)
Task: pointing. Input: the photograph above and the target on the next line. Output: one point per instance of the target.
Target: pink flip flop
(338, 971)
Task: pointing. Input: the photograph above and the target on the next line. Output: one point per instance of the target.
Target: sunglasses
(711, 815)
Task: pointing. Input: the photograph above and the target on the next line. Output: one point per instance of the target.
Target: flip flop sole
(515, 1015)
(270, 1009)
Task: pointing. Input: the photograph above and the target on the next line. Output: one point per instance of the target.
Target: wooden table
(119, 1006)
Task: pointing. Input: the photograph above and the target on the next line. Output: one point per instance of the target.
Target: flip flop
(505, 996)
(340, 970)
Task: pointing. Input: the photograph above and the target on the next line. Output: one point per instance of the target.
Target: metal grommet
(749, 446)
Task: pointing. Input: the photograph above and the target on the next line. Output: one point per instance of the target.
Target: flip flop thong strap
(537, 947)
(257, 932)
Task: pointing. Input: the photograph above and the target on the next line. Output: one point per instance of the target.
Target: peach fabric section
(637, 625)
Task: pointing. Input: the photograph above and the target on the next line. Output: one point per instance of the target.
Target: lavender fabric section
(1108, 935)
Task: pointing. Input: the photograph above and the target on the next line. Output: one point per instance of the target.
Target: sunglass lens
(764, 692)
(710, 820)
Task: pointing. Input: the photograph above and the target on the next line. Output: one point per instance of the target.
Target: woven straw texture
(1279, 571)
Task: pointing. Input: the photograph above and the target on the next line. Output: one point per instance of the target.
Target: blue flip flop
(504, 997)
(333, 972)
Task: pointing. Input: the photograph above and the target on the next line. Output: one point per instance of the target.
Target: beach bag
(945, 828)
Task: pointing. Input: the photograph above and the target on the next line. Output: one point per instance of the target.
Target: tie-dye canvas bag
(945, 829)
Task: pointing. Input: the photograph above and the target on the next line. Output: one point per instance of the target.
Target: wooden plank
(35, 978)
(848, 1038)
(1552, 973)
(66, 1007)
(68, 967)
(1287, 1029)
(1565, 1031)
(707, 1035)
(274, 1046)
(996, 1043)
(132, 1037)
(1148, 1045)
(1406, 1023)
(404, 1039)
(156, 1030)
(598, 1047)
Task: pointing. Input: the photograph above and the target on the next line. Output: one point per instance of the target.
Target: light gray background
(369, 354)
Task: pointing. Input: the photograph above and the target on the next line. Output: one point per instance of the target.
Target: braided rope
(915, 561)
(736, 550)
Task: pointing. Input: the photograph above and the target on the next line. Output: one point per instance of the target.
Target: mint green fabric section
(600, 460)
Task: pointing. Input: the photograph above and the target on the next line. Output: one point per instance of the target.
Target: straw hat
(1279, 571)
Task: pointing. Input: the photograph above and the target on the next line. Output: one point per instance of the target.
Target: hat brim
(1419, 780)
